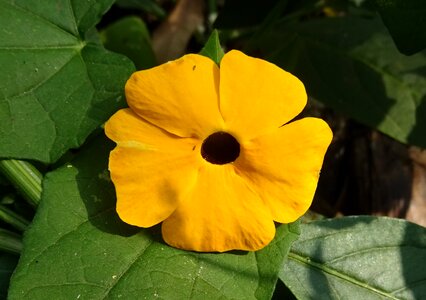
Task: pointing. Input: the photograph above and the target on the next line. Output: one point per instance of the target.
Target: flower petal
(283, 166)
(180, 96)
(151, 169)
(222, 213)
(127, 128)
(256, 96)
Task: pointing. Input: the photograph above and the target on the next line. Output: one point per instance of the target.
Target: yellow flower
(204, 150)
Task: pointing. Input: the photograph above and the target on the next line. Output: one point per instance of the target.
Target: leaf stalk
(24, 177)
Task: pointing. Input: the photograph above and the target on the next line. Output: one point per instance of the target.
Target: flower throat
(220, 148)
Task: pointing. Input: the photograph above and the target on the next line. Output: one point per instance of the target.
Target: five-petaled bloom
(209, 151)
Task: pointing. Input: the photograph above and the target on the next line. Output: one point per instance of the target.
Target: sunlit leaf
(78, 248)
(58, 83)
(358, 258)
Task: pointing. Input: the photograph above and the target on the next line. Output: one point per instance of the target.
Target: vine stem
(24, 177)
(12, 218)
(10, 242)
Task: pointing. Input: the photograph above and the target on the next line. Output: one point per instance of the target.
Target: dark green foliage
(129, 36)
(351, 65)
(406, 22)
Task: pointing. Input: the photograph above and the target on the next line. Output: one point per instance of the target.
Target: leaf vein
(333, 272)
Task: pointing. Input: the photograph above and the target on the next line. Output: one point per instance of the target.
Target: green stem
(10, 242)
(24, 177)
(13, 218)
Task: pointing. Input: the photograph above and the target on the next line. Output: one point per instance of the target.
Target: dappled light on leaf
(370, 257)
(57, 85)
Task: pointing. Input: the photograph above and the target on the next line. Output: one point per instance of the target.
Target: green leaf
(148, 6)
(129, 36)
(241, 13)
(78, 248)
(358, 258)
(58, 85)
(406, 22)
(212, 48)
(352, 65)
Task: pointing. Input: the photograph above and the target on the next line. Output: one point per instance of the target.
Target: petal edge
(264, 94)
(221, 214)
(283, 166)
(180, 96)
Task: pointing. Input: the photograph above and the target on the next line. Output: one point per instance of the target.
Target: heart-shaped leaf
(58, 83)
(358, 258)
(77, 248)
(353, 66)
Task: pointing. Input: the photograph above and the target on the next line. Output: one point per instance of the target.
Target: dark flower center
(220, 148)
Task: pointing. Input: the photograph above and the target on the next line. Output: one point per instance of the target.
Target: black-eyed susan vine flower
(211, 153)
